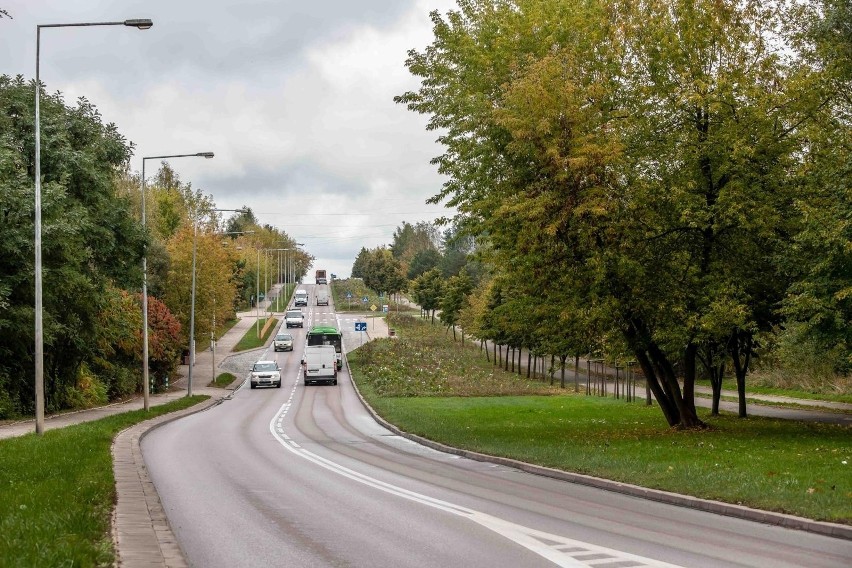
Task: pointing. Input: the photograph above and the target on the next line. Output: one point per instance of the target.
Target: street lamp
(213, 332)
(142, 24)
(145, 382)
(192, 300)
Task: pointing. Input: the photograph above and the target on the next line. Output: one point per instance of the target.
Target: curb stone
(141, 533)
(835, 530)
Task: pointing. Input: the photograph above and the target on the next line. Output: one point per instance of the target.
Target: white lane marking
(562, 551)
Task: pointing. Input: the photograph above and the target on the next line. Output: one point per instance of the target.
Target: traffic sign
(348, 295)
(360, 326)
(374, 307)
(365, 299)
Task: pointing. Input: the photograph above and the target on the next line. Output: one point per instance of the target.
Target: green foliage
(454, 298)
(427, 290)
(381, 271)
(90, 238)
(636, 167)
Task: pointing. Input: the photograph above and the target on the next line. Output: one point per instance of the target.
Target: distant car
(294, 318)
(283, 342)
(265, 374)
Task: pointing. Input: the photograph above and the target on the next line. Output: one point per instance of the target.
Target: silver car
(265, 374)
(283, 342)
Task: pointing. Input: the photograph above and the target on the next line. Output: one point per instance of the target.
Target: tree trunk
(689, 376)
(576, 372)
(562, 365)
(740, 347)
(661, 378)
(529, 362)
(482, 344)
(715, 371)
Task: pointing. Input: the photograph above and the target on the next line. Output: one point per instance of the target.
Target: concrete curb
(141, 533)
(768, 517)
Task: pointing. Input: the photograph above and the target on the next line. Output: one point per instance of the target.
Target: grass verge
(427, 385)
(282, 300)
(223, 380)
(58, 491)
(251, 340)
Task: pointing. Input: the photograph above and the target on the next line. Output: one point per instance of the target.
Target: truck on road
(321, 277)
(322, 296)
(294, 318)
(327, 335)
(300, 297)
(320, 364)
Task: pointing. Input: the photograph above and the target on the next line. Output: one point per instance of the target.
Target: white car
(283, 342)
(265, 374)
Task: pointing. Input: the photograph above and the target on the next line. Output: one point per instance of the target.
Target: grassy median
(430, 386)
(57, 492)
(252, 340)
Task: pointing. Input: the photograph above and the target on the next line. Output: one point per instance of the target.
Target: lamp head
(207, 155)
(142, 24)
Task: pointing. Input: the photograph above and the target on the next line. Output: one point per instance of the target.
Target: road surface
(303, 476)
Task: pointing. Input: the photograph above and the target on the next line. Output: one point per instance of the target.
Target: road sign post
(361, 326)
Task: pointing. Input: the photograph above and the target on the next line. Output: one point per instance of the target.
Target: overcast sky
(294, 97)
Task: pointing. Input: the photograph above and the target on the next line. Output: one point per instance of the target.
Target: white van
(300, 298)
(320, 364)
(322, 297)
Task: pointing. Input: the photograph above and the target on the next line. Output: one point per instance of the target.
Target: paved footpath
(141, 530)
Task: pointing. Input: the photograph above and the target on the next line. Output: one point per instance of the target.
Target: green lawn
(57, 492)
(223, 380)
(430, 386)
(251, 340)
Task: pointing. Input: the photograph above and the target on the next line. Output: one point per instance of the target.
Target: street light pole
(39, 324)
(192, 300)
(146, 385)
(257, 298)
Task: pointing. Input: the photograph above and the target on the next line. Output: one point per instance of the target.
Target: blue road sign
(365, 299)
(348, 295)
(360, 326)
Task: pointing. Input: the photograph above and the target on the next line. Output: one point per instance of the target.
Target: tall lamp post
(142, 24)
(145, 382)
(213, 332)
(192, 300)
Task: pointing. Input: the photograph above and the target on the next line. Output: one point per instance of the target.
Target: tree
(215, 281)
(241, 222)
(820, 300)
(423, 261)
(90, 238)
(427, 290)
(638, 158)
(455, 293)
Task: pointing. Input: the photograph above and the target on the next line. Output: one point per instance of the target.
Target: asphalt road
(303, 476)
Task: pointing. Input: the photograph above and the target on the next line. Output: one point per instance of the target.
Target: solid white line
(530, 539)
